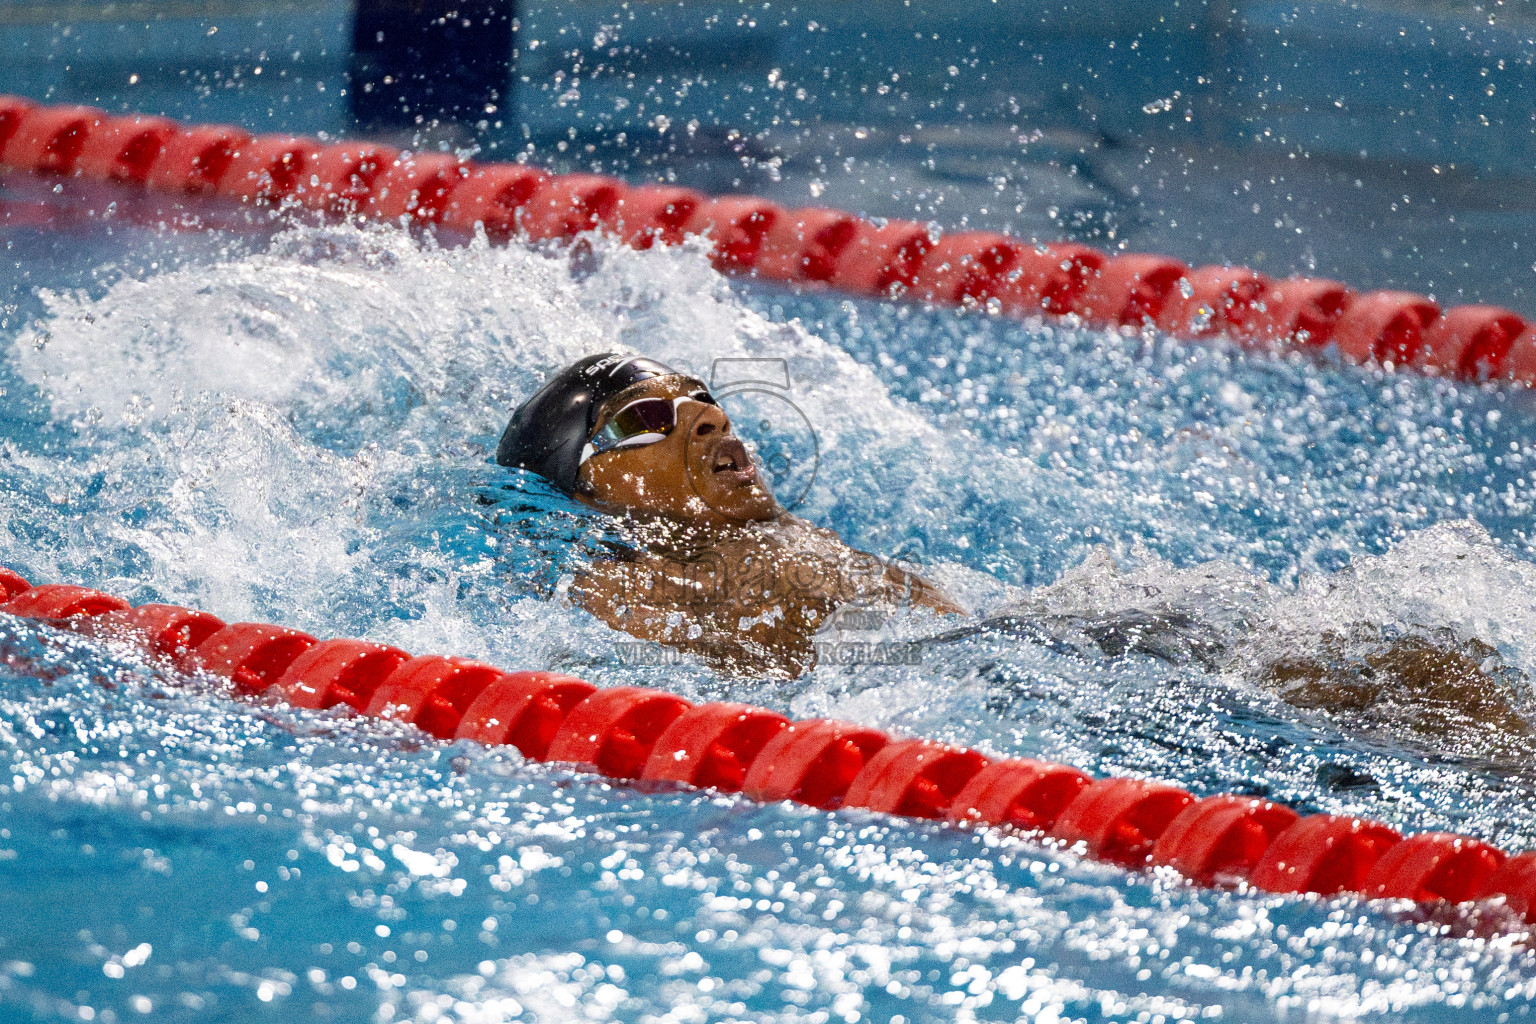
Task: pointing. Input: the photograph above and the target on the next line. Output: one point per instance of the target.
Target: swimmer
(712, 564)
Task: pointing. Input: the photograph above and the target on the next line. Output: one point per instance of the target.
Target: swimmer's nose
(710, 419)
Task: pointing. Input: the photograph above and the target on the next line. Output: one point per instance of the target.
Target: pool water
(295, 424)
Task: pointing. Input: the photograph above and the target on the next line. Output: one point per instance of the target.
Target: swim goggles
(643, 421)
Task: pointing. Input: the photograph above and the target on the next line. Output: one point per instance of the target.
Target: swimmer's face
(699, 472)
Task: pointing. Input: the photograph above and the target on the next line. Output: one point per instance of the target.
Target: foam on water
(302, 434)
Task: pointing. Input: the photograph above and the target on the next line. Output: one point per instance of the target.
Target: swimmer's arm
(922, 593)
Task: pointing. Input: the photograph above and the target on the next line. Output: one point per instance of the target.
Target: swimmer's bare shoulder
(770, 586)
(713, 603)
(863, 576)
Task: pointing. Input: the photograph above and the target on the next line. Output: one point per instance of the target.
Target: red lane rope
(889, 259)
(628, 733)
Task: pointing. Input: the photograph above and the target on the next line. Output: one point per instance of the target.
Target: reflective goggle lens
(641, 422)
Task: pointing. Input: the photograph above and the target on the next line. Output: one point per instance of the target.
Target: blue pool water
(294, 425)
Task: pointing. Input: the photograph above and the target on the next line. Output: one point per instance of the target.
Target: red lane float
(711, 746)
(49, 140)
(342, 177)
(168, 630)
(125, 148)
(1472, 342)
(1218, 300)
(195, 160)
(1323, 854)
(416, 186)
(11, 584)
(738, 226)
(1305, 310)
(1119, 820)
(1385, 326)
(432, 692)
(655, 213)
(1064, 273)
(1219, 840)
(812, 762)
(61, 601)
(336, 672)
(1520, 362)
(493, 197)
(805, 245)
(1132, 290)
(252, 655)
(882, 261)
(565, 205)
(1434, 866)
(1023, 794)
(1515, 881)
(524, 709)
(971, 267)
(269, 168)
(914, 778)
(614, 730)
(13, 110)
(1020, 278)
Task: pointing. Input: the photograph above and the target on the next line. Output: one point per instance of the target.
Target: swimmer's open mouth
(730, 459)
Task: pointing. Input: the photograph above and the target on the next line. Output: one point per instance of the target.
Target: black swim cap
(549, 430)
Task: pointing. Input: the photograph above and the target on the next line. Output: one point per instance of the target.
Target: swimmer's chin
(740, 504)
